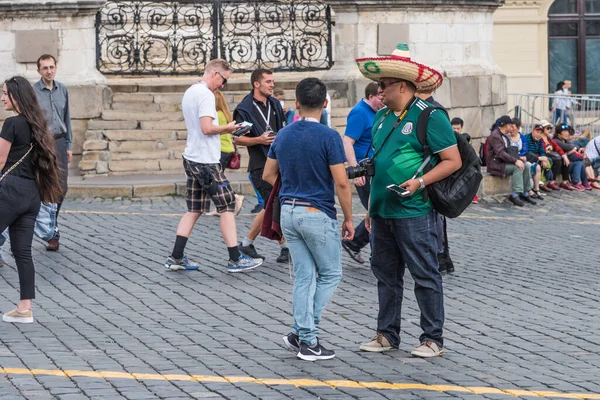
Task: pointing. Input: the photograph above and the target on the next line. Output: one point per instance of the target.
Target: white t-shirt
(199, 101)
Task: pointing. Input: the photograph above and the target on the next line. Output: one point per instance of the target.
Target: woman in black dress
(29, 176)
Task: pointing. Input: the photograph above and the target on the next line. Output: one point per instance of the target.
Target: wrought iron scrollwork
(179, 37)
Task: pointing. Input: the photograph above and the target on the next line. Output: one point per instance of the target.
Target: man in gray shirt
(54, 100)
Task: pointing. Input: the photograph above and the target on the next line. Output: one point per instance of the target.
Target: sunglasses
(383, 85)
(222, 77)
(564, 126)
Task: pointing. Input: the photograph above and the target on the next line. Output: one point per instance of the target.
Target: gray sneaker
(244, 263)
(183, 264)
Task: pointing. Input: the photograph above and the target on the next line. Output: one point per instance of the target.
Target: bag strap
(15, 165)
(396, 125)
(422, 123)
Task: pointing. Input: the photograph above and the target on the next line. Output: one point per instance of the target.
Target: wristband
(421, 183)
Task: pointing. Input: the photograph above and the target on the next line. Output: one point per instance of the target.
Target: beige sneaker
(239, 202)
(23, 317)
(377, 345)
(427, 350)
(213, 213)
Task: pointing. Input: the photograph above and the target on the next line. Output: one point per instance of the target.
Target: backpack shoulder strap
(422, 125)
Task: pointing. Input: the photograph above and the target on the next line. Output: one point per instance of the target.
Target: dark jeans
(410, 242)
(60, 146)
(225, 159)
(577, 172)
(361, 235)
(19, 207)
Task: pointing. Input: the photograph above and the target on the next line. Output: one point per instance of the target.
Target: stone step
(340, 112)
(112, 115)
(338, 122)
(137, 106)
(133, 98)
(98, 124)
(140, 135)
(163, 125)
(174, 145)
(145, 155)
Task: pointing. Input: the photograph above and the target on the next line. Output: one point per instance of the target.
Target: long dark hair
(24, 101)
(559, 85)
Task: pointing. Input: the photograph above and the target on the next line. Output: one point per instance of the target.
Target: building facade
(539, 43)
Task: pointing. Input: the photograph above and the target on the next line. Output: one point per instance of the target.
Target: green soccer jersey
(401, 156)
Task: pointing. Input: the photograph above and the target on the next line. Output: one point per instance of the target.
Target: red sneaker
(587, 186)
(578, 187)
(566, 185)
(553, 186)
(475, 200)
(545, 188)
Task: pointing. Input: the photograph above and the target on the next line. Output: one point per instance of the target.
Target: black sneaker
(449, 263)
(257, 208)
(284, 256)
(314, 353)
(441, 262)
(292, 341)
(537, 195)
(355, 255)
(528, 199)
(250, 251)
(516, 201)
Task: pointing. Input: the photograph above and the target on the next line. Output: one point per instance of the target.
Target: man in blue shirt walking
(310, 159)
(358, 145)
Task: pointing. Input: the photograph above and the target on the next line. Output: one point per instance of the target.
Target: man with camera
(357, 145)
(401, 217)
(264, 111)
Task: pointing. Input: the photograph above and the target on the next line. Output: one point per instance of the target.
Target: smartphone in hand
(244, 129)
(399, 190)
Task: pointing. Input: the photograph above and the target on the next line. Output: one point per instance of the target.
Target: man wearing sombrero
(403, 226)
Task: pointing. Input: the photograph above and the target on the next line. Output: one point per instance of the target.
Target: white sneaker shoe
(427, 349)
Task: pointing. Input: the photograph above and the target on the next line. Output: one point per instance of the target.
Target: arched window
(574, 45)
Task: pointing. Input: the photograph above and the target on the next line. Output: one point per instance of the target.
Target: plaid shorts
(206, 182)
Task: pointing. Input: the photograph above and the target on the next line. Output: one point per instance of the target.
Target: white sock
(284, 245)
(247, 242)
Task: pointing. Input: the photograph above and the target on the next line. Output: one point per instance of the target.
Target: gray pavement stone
(519, 310)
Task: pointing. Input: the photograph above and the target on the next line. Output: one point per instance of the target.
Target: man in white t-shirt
(205, 178)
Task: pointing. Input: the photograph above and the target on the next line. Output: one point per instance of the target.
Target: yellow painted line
(347, 384)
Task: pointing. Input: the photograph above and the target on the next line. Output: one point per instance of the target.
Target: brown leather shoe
(52, 245)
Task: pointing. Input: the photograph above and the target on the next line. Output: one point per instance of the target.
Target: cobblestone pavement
(522, 313)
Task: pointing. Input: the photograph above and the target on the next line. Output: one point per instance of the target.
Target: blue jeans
(577, 172)
(258, 196)
(314, 241)
(560, 115)
(412, 243)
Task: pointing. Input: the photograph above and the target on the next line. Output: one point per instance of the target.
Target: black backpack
(453, 194)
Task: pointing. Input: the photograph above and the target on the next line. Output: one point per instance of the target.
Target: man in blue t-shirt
(357, 144)
(310, 159)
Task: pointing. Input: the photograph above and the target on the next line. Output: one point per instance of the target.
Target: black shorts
(206, 182)
(263, 187)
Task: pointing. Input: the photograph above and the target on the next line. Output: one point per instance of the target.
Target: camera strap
(396, 125)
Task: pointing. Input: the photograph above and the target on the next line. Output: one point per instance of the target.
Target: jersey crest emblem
(407, 128)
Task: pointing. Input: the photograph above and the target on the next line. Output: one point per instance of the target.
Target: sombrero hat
(399, 65)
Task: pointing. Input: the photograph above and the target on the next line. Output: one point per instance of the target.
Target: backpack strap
(422, 125)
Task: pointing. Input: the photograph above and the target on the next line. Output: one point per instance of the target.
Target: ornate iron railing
(139, 37)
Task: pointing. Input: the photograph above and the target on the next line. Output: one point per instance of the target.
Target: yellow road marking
(306, 383)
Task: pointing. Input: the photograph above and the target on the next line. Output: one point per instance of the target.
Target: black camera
(365, 167)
